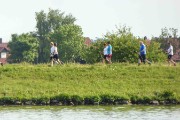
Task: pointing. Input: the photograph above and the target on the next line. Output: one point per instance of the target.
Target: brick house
(4, 51)
(176, 55)
(88, 41)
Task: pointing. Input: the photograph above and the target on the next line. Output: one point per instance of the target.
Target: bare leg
(173, 62)
(59, 61)
(107, 59)
(139, 61)
(103, 61)
(52, 62)
(169, 63)
(148, 61)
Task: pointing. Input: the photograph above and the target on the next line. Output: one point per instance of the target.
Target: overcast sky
(96, 17)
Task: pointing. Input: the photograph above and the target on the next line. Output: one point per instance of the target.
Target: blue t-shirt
(142, 49)
(109, 50)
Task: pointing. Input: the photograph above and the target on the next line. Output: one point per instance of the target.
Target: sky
(96, 17)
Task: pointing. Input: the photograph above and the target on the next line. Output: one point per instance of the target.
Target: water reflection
(91, 113)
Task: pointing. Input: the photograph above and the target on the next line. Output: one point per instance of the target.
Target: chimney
(0, 40)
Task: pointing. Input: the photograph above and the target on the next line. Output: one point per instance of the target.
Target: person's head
(51, 43)
(141, 42)
(169, 43)
(105, 44)
(145, 38)
(108, 42)
(55, 44)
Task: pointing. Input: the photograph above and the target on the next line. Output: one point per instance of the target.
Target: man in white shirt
(52, 53)
(170, 54)
(105, 53)
(56, 56)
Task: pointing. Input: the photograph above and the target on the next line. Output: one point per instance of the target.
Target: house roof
(87, 41)
(3, 48)
(4, 45)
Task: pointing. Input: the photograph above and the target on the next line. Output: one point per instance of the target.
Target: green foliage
(89, 84)
(155, 53)
(91, 100)
(167, 95)
(47, 23)
(64, 98)
(94, 53)
(107, 98)
(23, 48)
(125, 47)
(71, 42)
(77, 100)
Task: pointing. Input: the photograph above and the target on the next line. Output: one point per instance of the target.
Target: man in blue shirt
(109, 52)
(142, 54)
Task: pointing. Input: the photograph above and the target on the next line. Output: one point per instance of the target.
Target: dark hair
(108, 42)
(55, 44)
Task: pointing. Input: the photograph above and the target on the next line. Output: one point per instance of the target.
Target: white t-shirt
(170, 50)
(55, 50)
(52, 50)
(106, 50)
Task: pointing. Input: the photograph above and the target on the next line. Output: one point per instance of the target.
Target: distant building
(4, 51)
(176, 56)
(88, 41)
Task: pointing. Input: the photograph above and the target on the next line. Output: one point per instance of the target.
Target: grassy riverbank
(89, 84)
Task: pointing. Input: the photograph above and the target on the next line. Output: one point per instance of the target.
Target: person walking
(56, 56)
(52, 53)
(170, 54)
(142, 54)
(105, 54)
(109, 52)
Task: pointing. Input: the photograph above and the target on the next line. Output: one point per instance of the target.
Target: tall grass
(90, 83)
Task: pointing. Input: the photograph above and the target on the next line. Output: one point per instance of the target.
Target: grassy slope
(30, 81)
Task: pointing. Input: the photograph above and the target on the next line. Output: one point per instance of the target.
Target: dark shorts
(169, 57)
(142, 58)
(104, 56)
(56, 56)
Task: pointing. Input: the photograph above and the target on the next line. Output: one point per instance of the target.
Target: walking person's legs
(140, 59)
(109, 58)
(104, 59)
(52, 60)
(145, 59)
(170, 60)
(1, 63)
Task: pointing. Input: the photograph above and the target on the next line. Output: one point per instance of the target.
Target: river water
(90, 113)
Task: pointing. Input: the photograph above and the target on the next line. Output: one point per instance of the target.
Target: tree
(168, 35)
(23, 47)
(70, 40)
(46, 24)
(125, 47)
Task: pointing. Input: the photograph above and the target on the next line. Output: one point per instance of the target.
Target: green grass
(116, 81)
